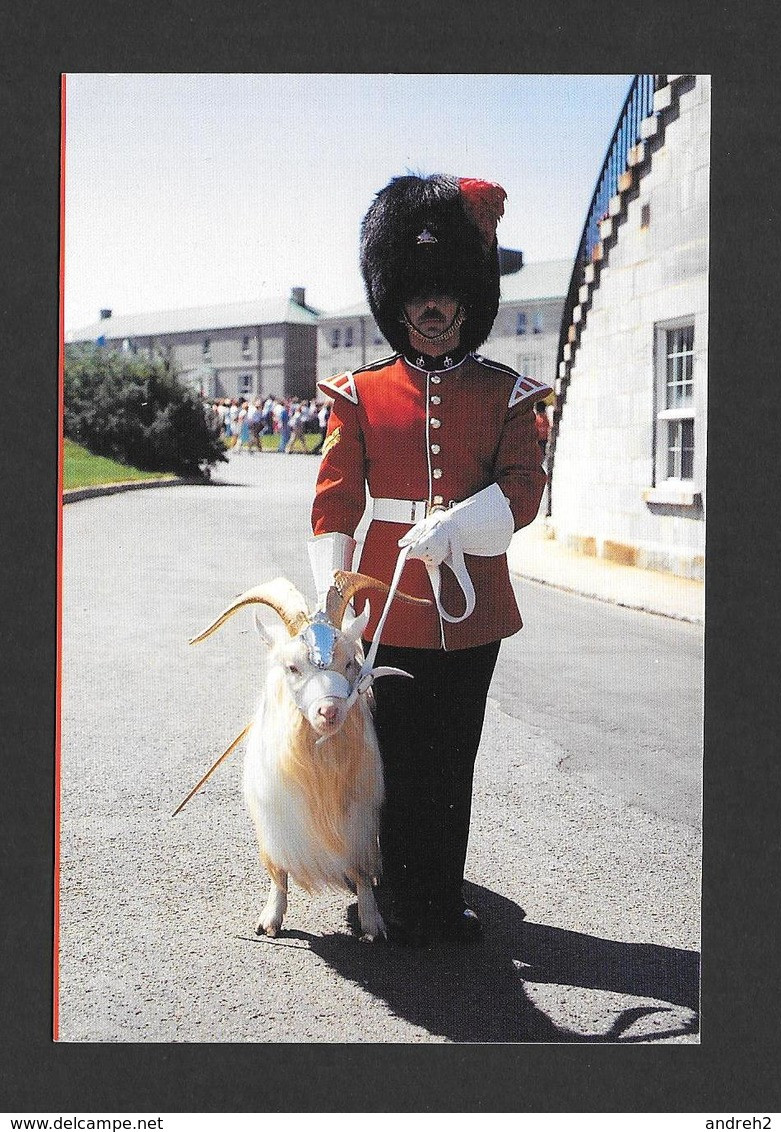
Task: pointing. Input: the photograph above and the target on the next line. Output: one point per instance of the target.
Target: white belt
(399, 510)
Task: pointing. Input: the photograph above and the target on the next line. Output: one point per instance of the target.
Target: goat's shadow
(480, 992)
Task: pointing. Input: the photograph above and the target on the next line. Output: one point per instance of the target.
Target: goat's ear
(263, 632)
(356, 625)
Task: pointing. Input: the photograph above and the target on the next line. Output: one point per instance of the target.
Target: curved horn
(347, 584)
(280, 595)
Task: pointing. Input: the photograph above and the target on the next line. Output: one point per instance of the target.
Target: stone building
(627, 458)
(231, 350)
(525, 334)
(282, 346)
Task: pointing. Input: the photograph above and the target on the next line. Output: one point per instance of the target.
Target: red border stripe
(60, 476)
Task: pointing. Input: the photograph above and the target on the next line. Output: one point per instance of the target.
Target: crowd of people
(242, 424)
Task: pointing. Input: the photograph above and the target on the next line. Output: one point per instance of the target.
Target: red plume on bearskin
(438, 233)
(484, 201)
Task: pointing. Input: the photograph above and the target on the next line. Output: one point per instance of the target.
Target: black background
(736, 1066)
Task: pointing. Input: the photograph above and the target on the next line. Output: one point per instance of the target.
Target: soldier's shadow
(526, 982)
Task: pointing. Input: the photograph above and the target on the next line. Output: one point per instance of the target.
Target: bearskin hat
(433, 234)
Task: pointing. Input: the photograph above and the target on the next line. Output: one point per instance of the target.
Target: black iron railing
(637, 106)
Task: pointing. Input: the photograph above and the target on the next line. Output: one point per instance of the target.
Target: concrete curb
(74, 494)
(533, 556)
(647, 606)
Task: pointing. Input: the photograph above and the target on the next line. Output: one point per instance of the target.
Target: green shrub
(136, 411)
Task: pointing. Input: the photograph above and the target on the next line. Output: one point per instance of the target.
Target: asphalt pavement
(585, 847)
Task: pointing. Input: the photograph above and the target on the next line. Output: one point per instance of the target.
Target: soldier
(446, 442)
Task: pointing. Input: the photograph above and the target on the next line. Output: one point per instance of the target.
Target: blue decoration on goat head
(320, 637)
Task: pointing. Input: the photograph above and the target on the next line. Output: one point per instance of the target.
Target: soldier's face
(431, 314)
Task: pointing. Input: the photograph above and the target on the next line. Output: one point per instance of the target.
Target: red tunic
(440, 436)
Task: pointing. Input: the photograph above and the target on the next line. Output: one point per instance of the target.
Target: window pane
(680, 450)
(680, 367)
(673, 450)
(687, 450)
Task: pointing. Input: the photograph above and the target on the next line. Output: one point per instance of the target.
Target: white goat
(312, 774)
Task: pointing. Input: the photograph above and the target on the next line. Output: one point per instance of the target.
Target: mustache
(433, 312)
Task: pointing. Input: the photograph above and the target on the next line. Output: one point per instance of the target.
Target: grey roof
(358, 310)
(548, 280)
(264, 312)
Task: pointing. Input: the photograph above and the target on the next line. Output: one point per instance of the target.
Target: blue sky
(183, 190)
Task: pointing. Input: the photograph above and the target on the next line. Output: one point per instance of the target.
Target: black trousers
(429, 730)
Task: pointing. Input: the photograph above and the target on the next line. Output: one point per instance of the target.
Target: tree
(136, 411)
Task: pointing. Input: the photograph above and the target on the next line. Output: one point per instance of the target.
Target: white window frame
(521, 323)
(669, 418)
(245, 385)
(335, 337)
(348, 337)
(246, 352)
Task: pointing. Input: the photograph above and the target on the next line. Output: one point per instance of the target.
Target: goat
(313, 780)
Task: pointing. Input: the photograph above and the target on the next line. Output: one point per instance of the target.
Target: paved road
(584, 856)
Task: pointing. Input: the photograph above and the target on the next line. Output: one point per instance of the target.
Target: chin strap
(458, 318)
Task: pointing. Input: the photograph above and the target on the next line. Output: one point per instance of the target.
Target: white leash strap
(455, 561)
(400, 561)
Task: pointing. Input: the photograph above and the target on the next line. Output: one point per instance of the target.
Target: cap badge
(426, 237)
(447, 361)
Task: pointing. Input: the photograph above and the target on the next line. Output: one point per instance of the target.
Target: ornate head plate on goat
(322, 654)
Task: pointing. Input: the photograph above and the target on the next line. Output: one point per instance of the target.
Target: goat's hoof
(372, 930)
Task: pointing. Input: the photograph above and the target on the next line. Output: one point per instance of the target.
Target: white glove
(428, 539)
(483, 525)
(484, 522)
(328, 553)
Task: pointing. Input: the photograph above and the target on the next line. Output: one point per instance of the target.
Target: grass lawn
(82, 469)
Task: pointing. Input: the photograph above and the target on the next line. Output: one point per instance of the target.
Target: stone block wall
(608, 485)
